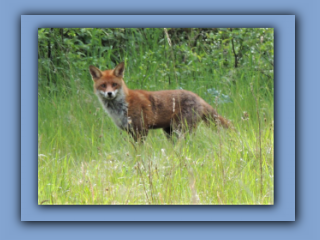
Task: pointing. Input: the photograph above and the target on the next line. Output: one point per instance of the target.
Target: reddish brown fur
(171, 110)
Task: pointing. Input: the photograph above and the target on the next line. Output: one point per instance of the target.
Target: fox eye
(114, 84)
(103, 85)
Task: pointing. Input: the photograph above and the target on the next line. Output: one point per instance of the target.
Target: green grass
(83, 158)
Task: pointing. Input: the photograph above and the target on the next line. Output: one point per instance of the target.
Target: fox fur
(138, 111)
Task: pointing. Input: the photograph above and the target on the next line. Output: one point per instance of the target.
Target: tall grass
(85, 159)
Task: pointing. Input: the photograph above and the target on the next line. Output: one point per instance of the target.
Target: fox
(138, 111)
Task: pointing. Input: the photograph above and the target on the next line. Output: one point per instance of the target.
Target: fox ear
(119, 70)
(95, 73)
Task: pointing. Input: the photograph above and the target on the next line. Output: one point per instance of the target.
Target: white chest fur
(116, 108)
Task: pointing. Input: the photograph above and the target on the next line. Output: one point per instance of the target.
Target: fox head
(107, 84)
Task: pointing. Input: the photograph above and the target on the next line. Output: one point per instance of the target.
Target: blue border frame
(284, 207)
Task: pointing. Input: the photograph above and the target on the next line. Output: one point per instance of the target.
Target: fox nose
(109, 94)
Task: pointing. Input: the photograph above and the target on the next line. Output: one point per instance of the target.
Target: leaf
(216, 94)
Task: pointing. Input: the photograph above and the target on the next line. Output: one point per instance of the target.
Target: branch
(234, 52)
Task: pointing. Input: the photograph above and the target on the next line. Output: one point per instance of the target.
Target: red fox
(137, 111)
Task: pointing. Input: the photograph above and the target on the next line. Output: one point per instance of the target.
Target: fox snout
(109, 95)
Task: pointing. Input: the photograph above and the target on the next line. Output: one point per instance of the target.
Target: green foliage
(85, 159)
(64, 54)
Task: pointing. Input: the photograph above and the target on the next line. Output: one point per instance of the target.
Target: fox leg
(139, 135)
(168, 132)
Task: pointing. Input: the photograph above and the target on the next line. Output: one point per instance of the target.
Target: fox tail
(210, 114)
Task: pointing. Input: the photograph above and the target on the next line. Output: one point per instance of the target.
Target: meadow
(83, 158)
